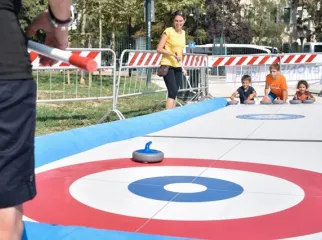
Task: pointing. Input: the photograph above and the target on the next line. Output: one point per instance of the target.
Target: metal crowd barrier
(64, 83)
(295, 67)
(137, 76)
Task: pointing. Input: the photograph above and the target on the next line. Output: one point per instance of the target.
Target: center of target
(185, 187)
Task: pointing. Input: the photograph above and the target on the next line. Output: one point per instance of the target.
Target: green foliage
(124, 17)
(314, 8)
(265, 19)
(164, 18)
(30, 9)
(224, 21)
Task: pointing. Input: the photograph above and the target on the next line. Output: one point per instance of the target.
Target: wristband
(62, 24)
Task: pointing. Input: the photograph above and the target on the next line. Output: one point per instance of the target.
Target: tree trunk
(68, 72)
(83, 41)
(113, 35)
(89, 74)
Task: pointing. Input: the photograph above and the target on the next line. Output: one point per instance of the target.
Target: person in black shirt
(18, 106)
(245, 92)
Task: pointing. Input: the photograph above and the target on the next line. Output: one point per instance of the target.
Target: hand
(266, 97)
(178, 58)
(54, 37)
(185, 72)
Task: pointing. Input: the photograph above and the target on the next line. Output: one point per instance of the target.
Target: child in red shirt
(302, 93)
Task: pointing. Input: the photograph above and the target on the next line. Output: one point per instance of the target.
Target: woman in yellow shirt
(171, 46)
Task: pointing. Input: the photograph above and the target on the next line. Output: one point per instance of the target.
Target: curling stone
(147, 155)
(278, 101)
(249, 102)
(295, 100)
(308, 101)
(266, 101)
(233, 102)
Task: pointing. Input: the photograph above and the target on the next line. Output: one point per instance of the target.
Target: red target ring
(54, 204)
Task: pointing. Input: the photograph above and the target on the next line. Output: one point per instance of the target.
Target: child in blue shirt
(245, 92)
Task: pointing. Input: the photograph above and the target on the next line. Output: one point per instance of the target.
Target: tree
(112, 16)
(314, 10)
(29, 10)
(309, 19)
(224, 18)
(317, 20)
(265, 18)
(163, 15)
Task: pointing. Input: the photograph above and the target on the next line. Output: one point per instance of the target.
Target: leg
(17, 180)
(169, 80)
(11, 225)
(170, 103)
(178, 76)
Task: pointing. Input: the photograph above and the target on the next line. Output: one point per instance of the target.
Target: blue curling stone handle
(147, 149)
(147, 155)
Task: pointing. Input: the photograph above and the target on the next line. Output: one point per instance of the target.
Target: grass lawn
(60, 116)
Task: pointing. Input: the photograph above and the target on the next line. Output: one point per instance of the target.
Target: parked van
(312, 47)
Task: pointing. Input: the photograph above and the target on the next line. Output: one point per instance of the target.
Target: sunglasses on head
(179, 13)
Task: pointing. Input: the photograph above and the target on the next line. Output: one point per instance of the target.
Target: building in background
(298, 26)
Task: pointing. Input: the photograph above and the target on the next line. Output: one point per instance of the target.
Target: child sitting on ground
(302, 93)
(245, 92)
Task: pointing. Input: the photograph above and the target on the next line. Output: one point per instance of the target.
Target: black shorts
(17, 133)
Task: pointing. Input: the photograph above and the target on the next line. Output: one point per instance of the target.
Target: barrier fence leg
(114, 104)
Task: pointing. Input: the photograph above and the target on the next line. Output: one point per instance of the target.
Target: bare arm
(252, 95)
(266, 89)
(55, 37)
(61, 8)
(284, 87)
(161, 45)
(284, 96)
(235, 94)
(312, 97)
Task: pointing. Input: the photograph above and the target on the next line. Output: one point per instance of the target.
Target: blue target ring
(216, 189)
(270, 116)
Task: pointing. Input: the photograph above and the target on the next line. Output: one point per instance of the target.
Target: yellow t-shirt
(176, 42)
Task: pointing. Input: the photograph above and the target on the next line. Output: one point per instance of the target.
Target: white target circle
(108, 191)
(185, 187)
